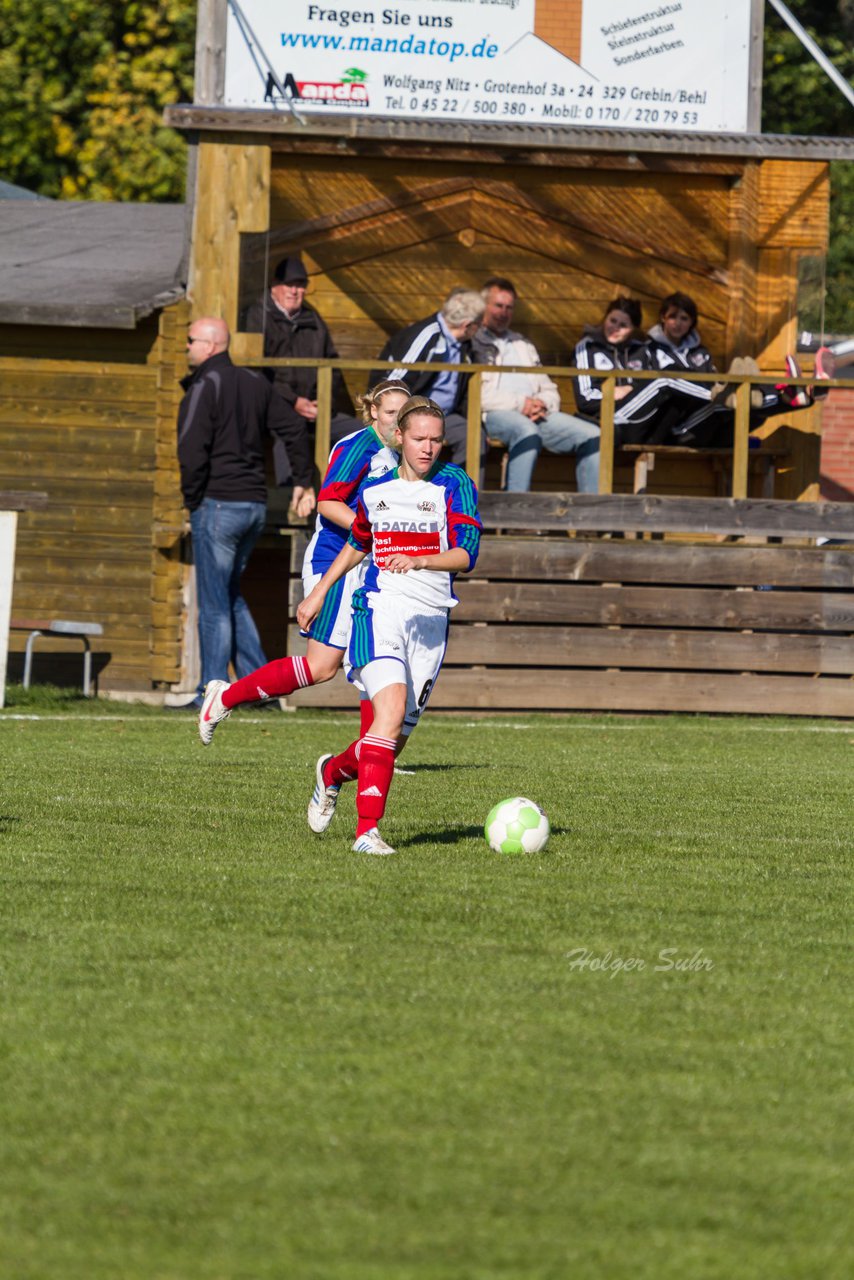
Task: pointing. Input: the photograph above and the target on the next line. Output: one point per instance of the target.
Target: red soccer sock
(343, 768)
(376, 770)
(275, 680)
(366, 716)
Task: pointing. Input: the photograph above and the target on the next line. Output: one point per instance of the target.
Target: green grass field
(232, 1049)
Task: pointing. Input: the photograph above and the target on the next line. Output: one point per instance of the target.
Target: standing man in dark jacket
(293, 328)
(221, 424)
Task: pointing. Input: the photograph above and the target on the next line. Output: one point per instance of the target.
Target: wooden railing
(609, 381)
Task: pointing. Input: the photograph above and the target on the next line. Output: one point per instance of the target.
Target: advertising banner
(628, 64)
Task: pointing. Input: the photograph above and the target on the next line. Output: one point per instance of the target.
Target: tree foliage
(799, 98)
(83, 84)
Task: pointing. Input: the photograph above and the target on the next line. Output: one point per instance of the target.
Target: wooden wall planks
(83, 427)
(583, 624)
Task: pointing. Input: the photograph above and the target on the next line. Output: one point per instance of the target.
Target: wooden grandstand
(388, 217)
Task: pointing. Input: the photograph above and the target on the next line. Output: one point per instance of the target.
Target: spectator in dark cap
(291, 327)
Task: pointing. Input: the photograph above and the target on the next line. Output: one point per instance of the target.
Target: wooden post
(8, 528)
(606, 437)
(743, 263)
(232, 195)
(757, 33)
(323, 423)
(209, 79)
(475, 430)
(741, 447)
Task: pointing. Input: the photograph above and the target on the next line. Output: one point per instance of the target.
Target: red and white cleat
(212, 712)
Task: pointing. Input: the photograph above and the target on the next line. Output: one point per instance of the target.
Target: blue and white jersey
(353, 460)
(417, 518)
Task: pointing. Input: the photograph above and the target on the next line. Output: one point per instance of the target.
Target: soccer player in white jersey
(421, 525)
(370, 452)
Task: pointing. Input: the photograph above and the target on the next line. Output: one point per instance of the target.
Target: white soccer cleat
(372, 842)
(321, 806)
(212, 712)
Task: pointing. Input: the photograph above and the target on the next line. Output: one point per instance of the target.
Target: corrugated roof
(9, 191)
(762, 146)
(88, 263)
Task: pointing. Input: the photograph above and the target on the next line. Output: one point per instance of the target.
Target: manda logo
(349, 91)
(426, 505)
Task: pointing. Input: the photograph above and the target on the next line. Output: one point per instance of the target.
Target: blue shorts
(332, 625)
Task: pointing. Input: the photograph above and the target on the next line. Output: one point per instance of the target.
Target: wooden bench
(58, 627)
(644, 456)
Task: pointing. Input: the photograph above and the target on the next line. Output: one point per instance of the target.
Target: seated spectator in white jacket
(522, 410)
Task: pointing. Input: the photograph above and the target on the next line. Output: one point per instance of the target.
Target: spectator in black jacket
(676, 344)
(644, 411)
(443, 338)
(221, 424)
(293, 328)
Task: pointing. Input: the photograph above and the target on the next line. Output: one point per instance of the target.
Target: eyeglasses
(191, 339)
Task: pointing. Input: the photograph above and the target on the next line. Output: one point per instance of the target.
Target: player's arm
(352, 553)
(455, 560)
(336, 512)
(348, 557)
(340, 484)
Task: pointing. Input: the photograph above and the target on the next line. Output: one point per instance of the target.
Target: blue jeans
(559, 433)
(224, 534)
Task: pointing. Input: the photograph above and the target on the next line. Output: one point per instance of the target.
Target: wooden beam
(649, 513)
(741, 446)
(606, 437)
(743, 263)
(232, 196)
(646, 606)
(474, 428)
(637, 648)
(526, 690)
(606, 560)
(323, 422)
(22, 500)
(757, 33)
(500, 143)
(211, 24)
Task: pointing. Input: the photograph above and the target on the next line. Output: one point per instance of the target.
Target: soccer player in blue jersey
(355, 458)
(421, 525)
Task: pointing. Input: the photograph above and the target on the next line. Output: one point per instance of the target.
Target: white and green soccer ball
(517, 826)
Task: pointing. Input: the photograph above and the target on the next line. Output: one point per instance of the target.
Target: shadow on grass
(7, 821)
(437, 768)
(449, 836)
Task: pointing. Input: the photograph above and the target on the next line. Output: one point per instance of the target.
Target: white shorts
(391, 645)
